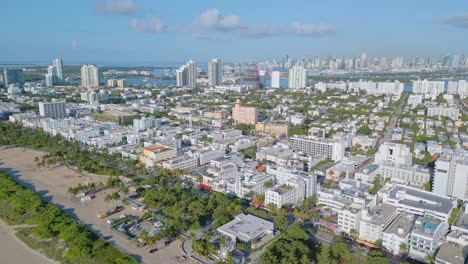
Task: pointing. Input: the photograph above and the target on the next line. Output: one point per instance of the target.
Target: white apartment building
(405, 174)
(375, 220)
(457, 87)
(297, 77)
(181, 163)
(275, 79)
(186, 75)
(225, 89)
(451, 174)
(428, 87)
(289, 193)
(368, 174)
(418, 202)
(378, 88)
(205, 156)
(414, 100)
(349, 220)
(55, 109)
(89, 75)
(397, 153)
(215, 72)
(144, 123)
(284, 175)
(335, 150)
(397, 234)
(450, 112)
(427, 235)
(252, 183)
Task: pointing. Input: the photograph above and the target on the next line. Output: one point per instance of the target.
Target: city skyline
(144, 32)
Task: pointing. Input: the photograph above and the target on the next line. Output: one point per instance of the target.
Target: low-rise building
(155, 154)
(396, 238)
(248, 229)
(426, 236)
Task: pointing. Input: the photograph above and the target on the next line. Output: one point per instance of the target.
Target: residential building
(334, 150)
(297, 77)
(405, 174)
(215, 72)
(273, 128)
(244, 114)
(54, 109)
(181, 163)
(58, 67)
(397, 153)
(13, 76)
(155, 154)
(291, 192)
(451, 174)
(418, 202)
(275, 79)
(112, 82)
(450, 112)
(186, 75)
(427, 235)
(396, 237)
(375, 220)
(89, 75)
(144, 123)
(428, 87)
(122, 83)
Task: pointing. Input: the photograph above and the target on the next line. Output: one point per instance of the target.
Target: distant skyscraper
(58, 65)
(363, 61)
(11, 76)
(297, 77)
(186, 75)
(215, 72)
(50, 77)
(89, 75)
(275, 79)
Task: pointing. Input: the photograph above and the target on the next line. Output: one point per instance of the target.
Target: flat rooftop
(420, 199)
(247, 227)
(401, 226)
(451, 253)
(381, 213)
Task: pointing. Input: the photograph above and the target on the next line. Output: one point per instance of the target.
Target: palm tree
(403, 248)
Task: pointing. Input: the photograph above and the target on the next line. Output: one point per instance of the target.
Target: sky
(155, 32)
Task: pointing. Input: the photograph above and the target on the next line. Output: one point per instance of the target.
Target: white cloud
(152, 25)
(312, 29)
(460, 20)
(119, 7)
(212, 19)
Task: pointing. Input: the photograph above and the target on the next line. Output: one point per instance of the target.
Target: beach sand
(14, 251)
(52, 183)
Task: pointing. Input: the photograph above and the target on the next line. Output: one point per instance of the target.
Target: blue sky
(155, 31)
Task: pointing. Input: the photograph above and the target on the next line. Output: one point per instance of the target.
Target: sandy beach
(14, 251)
(52, 183)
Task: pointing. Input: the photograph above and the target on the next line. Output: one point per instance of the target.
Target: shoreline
(12, 253)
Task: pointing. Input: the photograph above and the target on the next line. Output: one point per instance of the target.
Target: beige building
(152, 155)
(121, 83)
(112, 83)
(273, 128)
(244, 114)
(216, 114)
